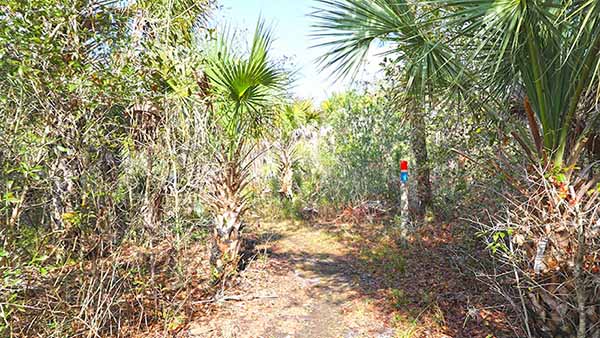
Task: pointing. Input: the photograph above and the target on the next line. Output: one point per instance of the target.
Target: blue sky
(291, 26)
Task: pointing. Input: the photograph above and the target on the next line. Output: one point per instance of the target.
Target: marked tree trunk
(418, 140)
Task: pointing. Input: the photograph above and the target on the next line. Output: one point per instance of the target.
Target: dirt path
(355, 280)
(301, 284)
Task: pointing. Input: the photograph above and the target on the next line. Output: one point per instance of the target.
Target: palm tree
(349, 28)
(242, 89)
(292, 120)
(550, 50)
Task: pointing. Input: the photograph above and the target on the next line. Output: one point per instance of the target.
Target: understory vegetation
(142, 146)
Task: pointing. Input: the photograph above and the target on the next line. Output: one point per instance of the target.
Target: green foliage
(550, 47)
(63, 98)
(497, 240)
(511, 46)
(244, 86)
(292, 117)
(99, 116)
(349, 28)
(347, 153)
(368, 140)
(117, 118)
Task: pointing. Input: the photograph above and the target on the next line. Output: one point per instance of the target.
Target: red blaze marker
(404, 166)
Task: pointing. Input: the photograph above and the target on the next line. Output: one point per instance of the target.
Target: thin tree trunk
(62, 175)
(418, 140)
(580, 287)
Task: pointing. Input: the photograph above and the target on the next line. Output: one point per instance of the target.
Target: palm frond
(348, 28)
(244, 84)
(551, 47)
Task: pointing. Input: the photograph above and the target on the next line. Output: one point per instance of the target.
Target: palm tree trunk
(418, 140)
(229, 205)
(226, 243)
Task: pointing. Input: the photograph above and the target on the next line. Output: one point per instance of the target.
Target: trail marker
(404, 171)
(404, 194)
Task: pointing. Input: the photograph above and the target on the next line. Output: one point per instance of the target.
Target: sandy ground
(301, 284)
(318, 281)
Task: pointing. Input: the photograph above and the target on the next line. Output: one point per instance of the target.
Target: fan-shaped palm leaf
(244, 85)
(551, 46)
(348, 28)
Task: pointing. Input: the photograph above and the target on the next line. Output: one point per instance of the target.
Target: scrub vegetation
(158, 177)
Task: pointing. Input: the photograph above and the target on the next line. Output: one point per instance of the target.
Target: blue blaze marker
(404, 177)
